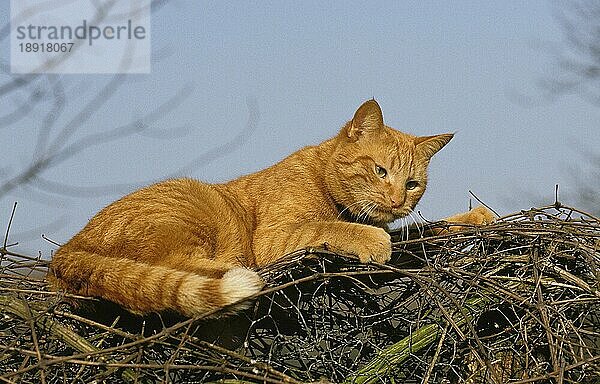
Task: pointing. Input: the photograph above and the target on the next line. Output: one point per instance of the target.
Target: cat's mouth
(389, 214)
(397, 213)
(377, 215)
(384, 215)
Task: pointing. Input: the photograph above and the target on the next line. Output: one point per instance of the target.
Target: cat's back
(156, 216)
(163, 201)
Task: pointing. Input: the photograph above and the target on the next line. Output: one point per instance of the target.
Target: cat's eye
(411, 184)
(380, 171)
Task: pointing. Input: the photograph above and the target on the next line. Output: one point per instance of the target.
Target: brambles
(517, 301)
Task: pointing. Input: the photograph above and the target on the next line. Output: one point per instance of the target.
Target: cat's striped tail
(142, 288)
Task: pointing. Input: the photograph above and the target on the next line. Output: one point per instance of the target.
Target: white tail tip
(239, 283)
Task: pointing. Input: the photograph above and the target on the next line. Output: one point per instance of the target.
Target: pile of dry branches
(516, 302)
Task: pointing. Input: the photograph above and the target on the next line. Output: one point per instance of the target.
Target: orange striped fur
(187, 246)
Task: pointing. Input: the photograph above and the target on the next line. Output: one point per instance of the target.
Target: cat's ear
(367, 119)
(427, 146)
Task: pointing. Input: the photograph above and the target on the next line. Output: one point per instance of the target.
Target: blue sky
(434, 67)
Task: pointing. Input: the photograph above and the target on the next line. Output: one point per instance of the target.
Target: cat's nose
(397, 201)
(397, 197)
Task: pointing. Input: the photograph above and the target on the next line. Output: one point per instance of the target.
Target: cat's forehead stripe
(393, 162)
(402, 158)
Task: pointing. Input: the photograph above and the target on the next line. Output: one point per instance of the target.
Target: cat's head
(378, 174)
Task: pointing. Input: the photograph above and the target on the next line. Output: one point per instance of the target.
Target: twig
(12, 215)
(435, 356)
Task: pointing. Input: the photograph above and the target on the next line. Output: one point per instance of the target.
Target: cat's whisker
(363, 215)
(365, 205)
(373, 209)
(402, 223)
(417, 223)
(412, 219)
(347, 208)
(364, 211)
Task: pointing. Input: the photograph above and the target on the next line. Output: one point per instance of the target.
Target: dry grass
(517, 302)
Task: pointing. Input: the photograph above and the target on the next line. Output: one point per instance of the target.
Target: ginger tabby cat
(190, 247)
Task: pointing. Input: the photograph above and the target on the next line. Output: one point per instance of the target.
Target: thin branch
(12, 216)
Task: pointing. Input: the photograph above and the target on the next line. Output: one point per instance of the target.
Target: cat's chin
(395, 214)
(381, 217)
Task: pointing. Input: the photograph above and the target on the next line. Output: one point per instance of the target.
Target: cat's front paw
(374, 244)
(477, 216)
(480, 216)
